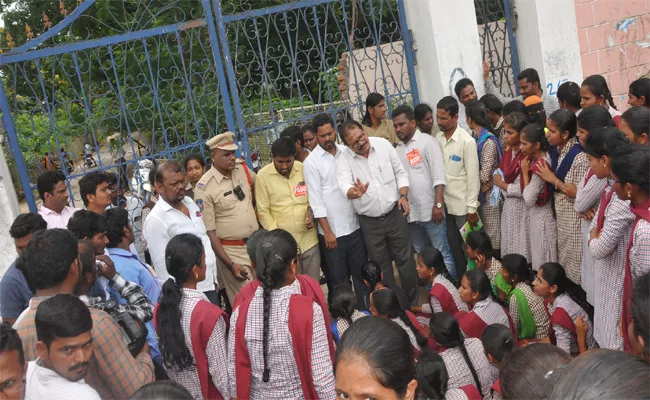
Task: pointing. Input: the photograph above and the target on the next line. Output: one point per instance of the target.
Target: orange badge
(414, 157)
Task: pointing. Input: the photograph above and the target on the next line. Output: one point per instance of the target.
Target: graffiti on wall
(553, 86)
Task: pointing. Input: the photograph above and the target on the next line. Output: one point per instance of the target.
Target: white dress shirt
(44, 383)
(163, 223)
(325, 196)
(382, 169)
(56, 220)
(422, 159)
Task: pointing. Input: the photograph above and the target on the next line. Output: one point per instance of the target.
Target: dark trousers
(343, 262)
(456, 242)
(213, 296)
(388, 239)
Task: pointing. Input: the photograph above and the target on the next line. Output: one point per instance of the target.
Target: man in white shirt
(460, 156)
(422, 158)
(173, 214)
(372, 176)
(53, 191)
(339, 235)
(65, 348)
(466, 93)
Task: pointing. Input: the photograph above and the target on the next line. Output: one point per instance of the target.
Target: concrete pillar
(9, 210)
(547, 40)
(448, 48)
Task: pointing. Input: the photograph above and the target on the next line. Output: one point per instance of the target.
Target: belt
(383, 217)
(238, 242)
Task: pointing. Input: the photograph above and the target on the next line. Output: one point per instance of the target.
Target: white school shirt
(163, 223)
(325, 196)
(44, 383)
(382, 169)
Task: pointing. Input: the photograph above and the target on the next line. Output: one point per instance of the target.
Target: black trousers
(456, 243)
(388, 239)
(343, 262)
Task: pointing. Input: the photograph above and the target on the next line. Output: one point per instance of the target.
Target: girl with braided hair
(278, 345)
(464, 358)
(433, 380)
(594, 90)
(191, 330)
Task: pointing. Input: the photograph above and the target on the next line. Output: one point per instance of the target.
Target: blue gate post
(514, 55)
(408, 51)
(15, 148)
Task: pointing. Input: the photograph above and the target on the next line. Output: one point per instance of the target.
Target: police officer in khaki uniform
(224, 195)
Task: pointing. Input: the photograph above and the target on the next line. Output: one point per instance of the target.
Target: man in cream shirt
(461, 168)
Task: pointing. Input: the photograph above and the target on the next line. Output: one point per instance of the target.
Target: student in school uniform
(464, 357)
(281, 359)
(608, 240)
(489, 156)
(631, 173)
(594, 91)
(588, 195)
(479, 249)
(342, 307)
(514, 218)
(384, 303)
(537, 196)
(443, 295)
(476, 292)
(498, 342)
(375, 359)
(564, 309)
(191, 330)
(635, 124)
(569, 165)
(433, 380)
(526, 308)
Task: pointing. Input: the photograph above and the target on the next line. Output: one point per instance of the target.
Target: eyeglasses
(356, 144)
(12, 386)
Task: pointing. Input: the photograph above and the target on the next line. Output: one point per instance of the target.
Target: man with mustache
(173, 214)
(54, 267)
(65, 348)
(53, 191)
(282, 203)
(339, 235)
(224, 195)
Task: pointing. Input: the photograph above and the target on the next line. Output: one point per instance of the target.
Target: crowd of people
(488, 248)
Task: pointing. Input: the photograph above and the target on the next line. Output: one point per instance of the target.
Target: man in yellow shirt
(282, 203)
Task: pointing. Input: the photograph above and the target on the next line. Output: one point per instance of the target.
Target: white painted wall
(9, 210)
(547, 40)
(448, 48)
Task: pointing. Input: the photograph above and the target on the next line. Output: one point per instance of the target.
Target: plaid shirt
(491, 312)
(640, 250)
(564, 339)
(537, 308)
(569, 232)
(458, 370)
(284, 380)
(138, 304)
(113, 372)
(215, 351)
(609, 252)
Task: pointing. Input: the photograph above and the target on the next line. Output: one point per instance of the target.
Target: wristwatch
(438, 205)
(406, 196)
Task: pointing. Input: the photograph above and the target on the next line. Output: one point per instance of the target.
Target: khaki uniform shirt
(231, 218)
(384, 130)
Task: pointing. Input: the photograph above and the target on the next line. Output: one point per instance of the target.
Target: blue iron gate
(497, 21)
(155, 80)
